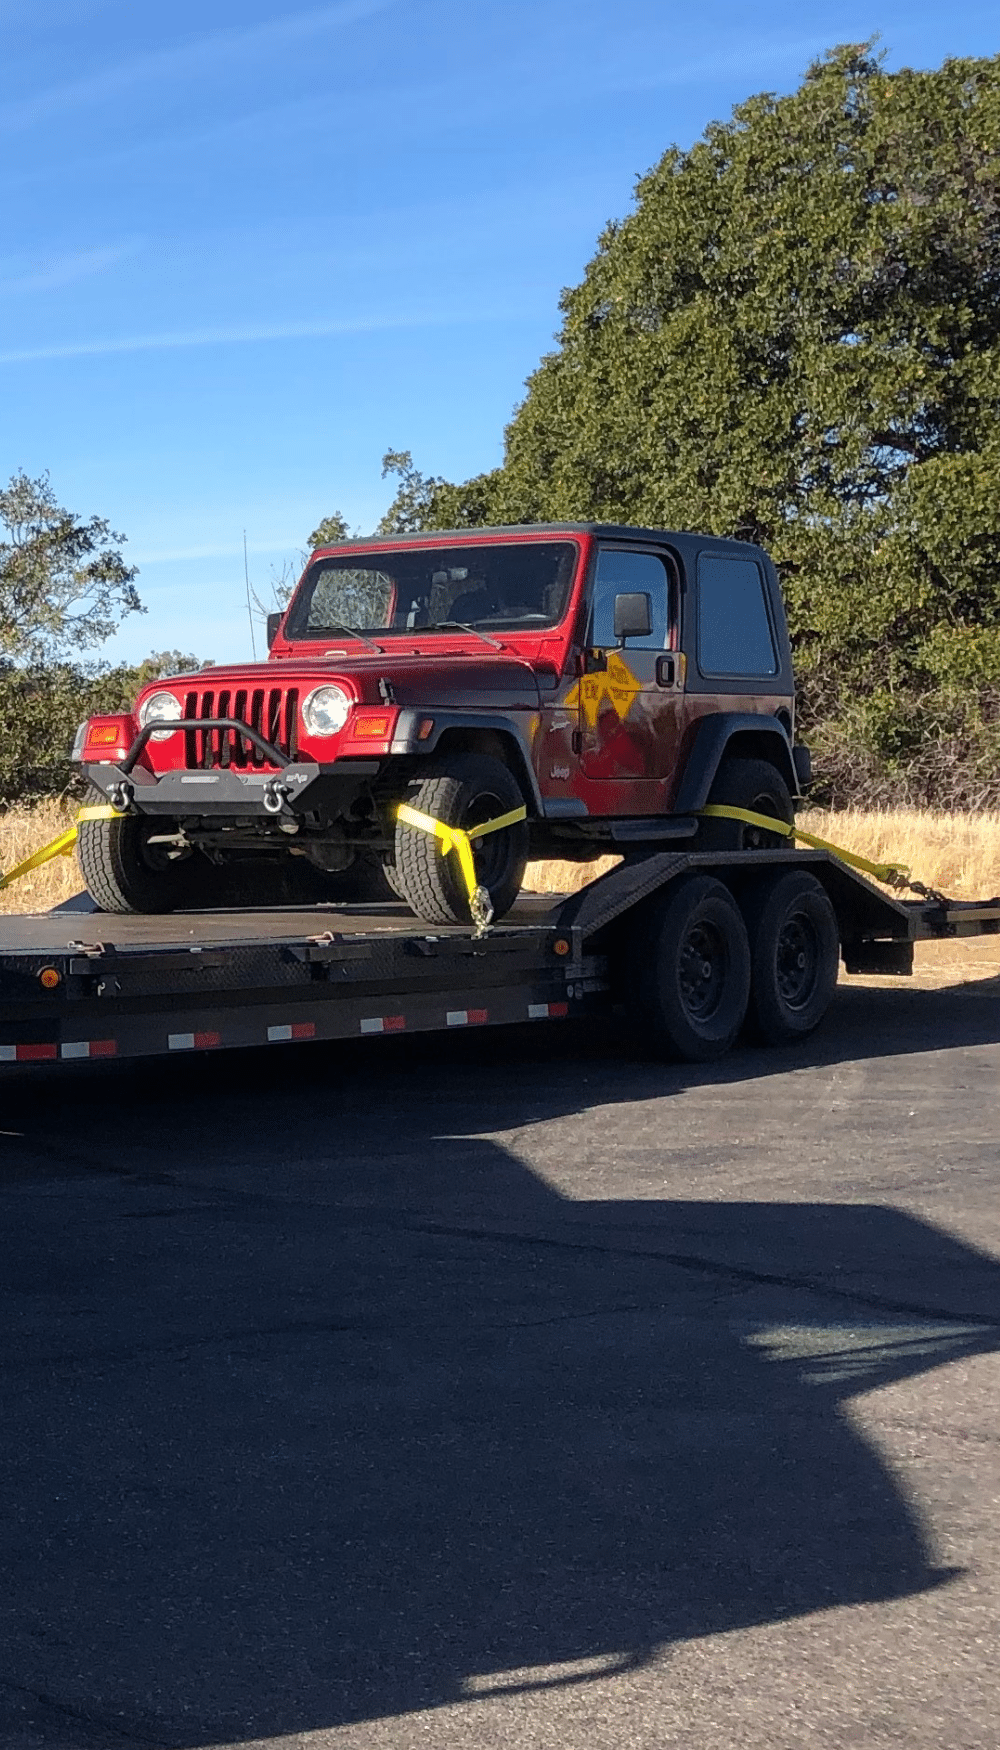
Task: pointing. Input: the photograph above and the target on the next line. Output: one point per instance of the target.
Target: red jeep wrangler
(612, 680)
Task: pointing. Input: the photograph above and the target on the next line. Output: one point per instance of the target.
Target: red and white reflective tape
(384, 1024)
(293, 1030)
(547, 1011)
(47, 1053)
(193, 1041)
(467, 1017)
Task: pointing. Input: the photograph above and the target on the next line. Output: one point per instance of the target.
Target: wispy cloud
(199, 55)
(248, 334)
(62, 270)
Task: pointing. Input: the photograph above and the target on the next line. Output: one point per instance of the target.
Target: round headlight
(158, 706)
(325, 711)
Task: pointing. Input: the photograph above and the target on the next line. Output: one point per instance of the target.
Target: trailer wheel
(125, 873)
(794, 954)
(752, 784)
(466, 790)
(691, 970)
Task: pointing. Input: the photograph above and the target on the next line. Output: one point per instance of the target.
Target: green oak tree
(64, 584)
(794, 338)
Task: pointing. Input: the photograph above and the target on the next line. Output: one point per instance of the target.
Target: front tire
(465, 790)
(124, 873)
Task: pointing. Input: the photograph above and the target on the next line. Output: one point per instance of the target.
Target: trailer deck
(79, 985)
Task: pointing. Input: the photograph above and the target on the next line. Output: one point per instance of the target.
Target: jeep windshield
(512, 586)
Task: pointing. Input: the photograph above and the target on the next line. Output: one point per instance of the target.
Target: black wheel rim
(757, 838)
(492, 853)
(797, 960)
(703, 967)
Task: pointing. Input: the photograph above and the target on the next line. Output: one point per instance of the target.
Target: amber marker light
(560, 946)
(49, 978)
(426, 728)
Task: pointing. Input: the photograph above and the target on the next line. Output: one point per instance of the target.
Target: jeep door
(631, 698)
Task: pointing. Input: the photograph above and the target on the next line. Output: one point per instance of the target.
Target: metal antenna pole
(246, 574)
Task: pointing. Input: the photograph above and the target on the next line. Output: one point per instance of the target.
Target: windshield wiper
(353, 632)
(443, 625)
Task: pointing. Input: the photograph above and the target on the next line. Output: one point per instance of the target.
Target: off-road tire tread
(425, 881)
(112, 886)
(96, 848)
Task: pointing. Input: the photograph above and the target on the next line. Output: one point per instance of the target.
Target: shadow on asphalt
(320, 1406)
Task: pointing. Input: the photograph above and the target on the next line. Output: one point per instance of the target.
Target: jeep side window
(626, 573)
(734, 627)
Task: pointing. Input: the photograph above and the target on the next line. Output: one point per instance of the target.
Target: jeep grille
(272, 711)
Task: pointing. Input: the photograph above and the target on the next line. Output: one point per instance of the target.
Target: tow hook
(120, 797)
(274, 797)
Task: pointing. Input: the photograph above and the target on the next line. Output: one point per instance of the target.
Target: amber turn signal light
(374, 727)
(103, 735)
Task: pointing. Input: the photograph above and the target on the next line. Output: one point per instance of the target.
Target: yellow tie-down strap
(63, 846)
(455, 838)
(893, 874)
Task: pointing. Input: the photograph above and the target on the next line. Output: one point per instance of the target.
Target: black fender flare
(712, 740)
(406, 741)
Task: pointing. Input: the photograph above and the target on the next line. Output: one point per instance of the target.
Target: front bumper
(227, 794)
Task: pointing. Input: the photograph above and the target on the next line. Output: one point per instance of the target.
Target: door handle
(666, 671)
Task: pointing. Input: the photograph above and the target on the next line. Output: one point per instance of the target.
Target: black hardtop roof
(687, 542)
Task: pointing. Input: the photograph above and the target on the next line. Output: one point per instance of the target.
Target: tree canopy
(64, 585)
(794, 338)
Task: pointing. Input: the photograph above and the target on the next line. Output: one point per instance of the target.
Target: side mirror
(633, 616)
(273, 622)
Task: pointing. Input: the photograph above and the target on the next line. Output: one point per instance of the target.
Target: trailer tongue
(683, 948)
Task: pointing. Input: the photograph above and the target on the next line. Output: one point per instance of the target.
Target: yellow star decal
(615, 685)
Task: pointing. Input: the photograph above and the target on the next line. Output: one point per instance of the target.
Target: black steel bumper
(232, 794)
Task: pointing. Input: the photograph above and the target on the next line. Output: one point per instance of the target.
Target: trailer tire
(794, 955)
(690, 969)
(123, 873)
(753, 784)
(461, 790)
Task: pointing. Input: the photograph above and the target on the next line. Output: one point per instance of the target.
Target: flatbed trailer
(78, 985)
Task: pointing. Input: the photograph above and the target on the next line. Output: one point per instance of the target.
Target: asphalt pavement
(505, 1390)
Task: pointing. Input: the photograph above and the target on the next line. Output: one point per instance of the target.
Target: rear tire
(795, 956)
(690, 970)
(464, 790)
(124, 873)
(757, 786)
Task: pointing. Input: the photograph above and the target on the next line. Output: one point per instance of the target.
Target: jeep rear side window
(734, 628)
(624, 573)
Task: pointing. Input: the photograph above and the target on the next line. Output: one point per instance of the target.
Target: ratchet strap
(60, 847)
(893, 874)
(456, 838)
(63, 846)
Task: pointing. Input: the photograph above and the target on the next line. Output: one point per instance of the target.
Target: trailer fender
(732, 732)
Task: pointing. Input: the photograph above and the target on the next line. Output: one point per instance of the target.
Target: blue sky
(249, 246)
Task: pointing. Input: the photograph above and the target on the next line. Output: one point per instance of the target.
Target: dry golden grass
(24, 830)
(958, 853)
